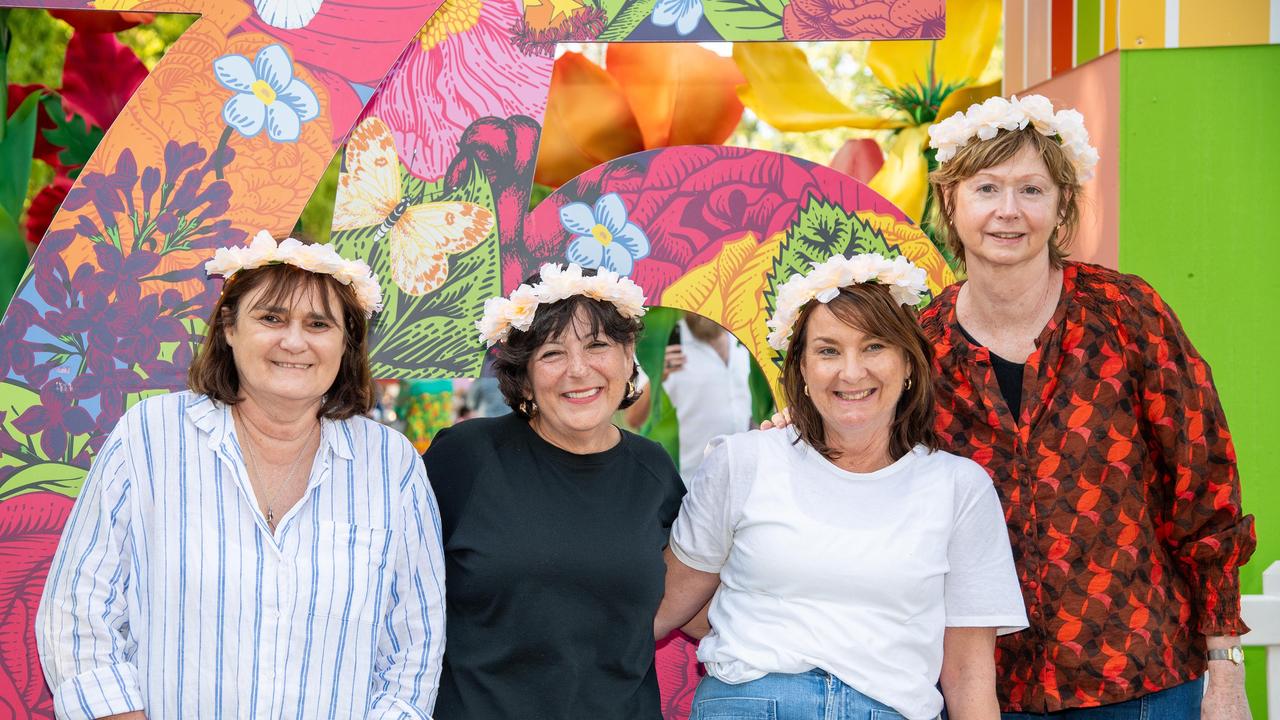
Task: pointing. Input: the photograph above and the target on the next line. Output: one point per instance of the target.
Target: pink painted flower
(30, 526)
(465, 66)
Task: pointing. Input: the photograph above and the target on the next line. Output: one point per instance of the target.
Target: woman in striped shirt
(255, 547)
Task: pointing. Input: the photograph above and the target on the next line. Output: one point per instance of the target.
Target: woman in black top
(554, 520)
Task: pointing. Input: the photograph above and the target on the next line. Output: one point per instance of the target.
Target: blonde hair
(979, 155)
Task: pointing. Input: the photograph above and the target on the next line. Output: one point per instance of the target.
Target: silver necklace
(248, 446)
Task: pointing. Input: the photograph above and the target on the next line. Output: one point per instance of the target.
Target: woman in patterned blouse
(1077, 389)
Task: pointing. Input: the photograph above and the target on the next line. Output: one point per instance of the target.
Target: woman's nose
(853, 369)
(1009, 204)
(577, 362)
(293, 339)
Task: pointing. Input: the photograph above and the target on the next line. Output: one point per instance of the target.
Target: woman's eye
(874, 347)
(320, 325)
(271, 319)
(1033, 190)
(986, 188)
(827, 351)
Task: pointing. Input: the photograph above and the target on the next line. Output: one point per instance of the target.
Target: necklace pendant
(271, 519)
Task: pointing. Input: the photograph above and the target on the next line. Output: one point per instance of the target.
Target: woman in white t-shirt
(856, 568)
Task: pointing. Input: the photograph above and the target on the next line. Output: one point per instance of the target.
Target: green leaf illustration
(739, 20)
(624, 17)
(867, 239)
(820, 231)
(50, 476)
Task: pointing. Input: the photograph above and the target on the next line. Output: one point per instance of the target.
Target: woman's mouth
(855, 394)
(582, 395)
(1007, 235)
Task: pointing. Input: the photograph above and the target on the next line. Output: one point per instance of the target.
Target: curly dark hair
(511, 356)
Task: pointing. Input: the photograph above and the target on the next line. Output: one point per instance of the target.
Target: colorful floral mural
(703, 20)
(230, 133)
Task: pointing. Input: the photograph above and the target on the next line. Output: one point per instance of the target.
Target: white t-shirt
(711, 397)
(854, 573)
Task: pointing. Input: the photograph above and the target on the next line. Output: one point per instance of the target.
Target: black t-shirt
(554, 571)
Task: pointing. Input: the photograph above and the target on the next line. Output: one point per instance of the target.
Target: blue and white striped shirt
(170, 594)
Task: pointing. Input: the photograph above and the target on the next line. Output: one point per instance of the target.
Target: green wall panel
(1088, 30)
(1199, 197)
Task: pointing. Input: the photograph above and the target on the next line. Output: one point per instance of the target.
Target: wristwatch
(1234, 653)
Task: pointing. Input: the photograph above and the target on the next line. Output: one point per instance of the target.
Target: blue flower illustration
(602, 235)
(684, 14)
(266, 94)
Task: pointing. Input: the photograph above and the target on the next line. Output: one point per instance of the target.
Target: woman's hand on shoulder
(780, 419)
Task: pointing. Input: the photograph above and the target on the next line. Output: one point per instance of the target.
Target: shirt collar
(214, 419)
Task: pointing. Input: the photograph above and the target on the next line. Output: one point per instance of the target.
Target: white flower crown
(986, 120)
(906, 283)
(501, 314)
(322, 259)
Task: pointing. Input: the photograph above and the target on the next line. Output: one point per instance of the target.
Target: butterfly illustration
(421, 235)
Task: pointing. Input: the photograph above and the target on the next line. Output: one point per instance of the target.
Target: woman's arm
(82, 625)
(700, 625)
(687, 592)
(1207, 532)
(406, 672)
(969, 673)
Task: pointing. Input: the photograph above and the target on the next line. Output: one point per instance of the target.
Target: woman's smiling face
(578, 380)
(287, 351)
(1005, 214)
(854, 379)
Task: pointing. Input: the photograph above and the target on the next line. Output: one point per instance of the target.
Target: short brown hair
(979, 155)
(512, 355)
(869, 307)
(213, 372)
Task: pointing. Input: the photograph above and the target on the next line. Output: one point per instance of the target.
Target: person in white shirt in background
(705, 375)
(856, 569)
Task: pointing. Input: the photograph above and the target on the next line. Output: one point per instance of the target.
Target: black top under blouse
(1008, 376)
(554, 572)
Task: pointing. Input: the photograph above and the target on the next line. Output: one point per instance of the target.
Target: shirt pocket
(348, 572)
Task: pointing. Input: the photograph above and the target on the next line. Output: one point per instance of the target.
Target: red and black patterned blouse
(1120, 488)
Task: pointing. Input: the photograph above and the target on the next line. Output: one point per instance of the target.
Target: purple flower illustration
(56, 418)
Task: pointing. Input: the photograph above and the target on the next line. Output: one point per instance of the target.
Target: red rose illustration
(30, 526)
(863, 19)
(688, 201)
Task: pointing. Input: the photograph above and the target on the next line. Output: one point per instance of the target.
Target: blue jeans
(813, 695)
(1180, 702)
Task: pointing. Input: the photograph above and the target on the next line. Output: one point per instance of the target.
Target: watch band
(1234, 654)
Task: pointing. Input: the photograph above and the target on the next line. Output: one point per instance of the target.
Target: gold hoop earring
(908, 385)
(631, 390)
(806, 390)
(529, 407)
